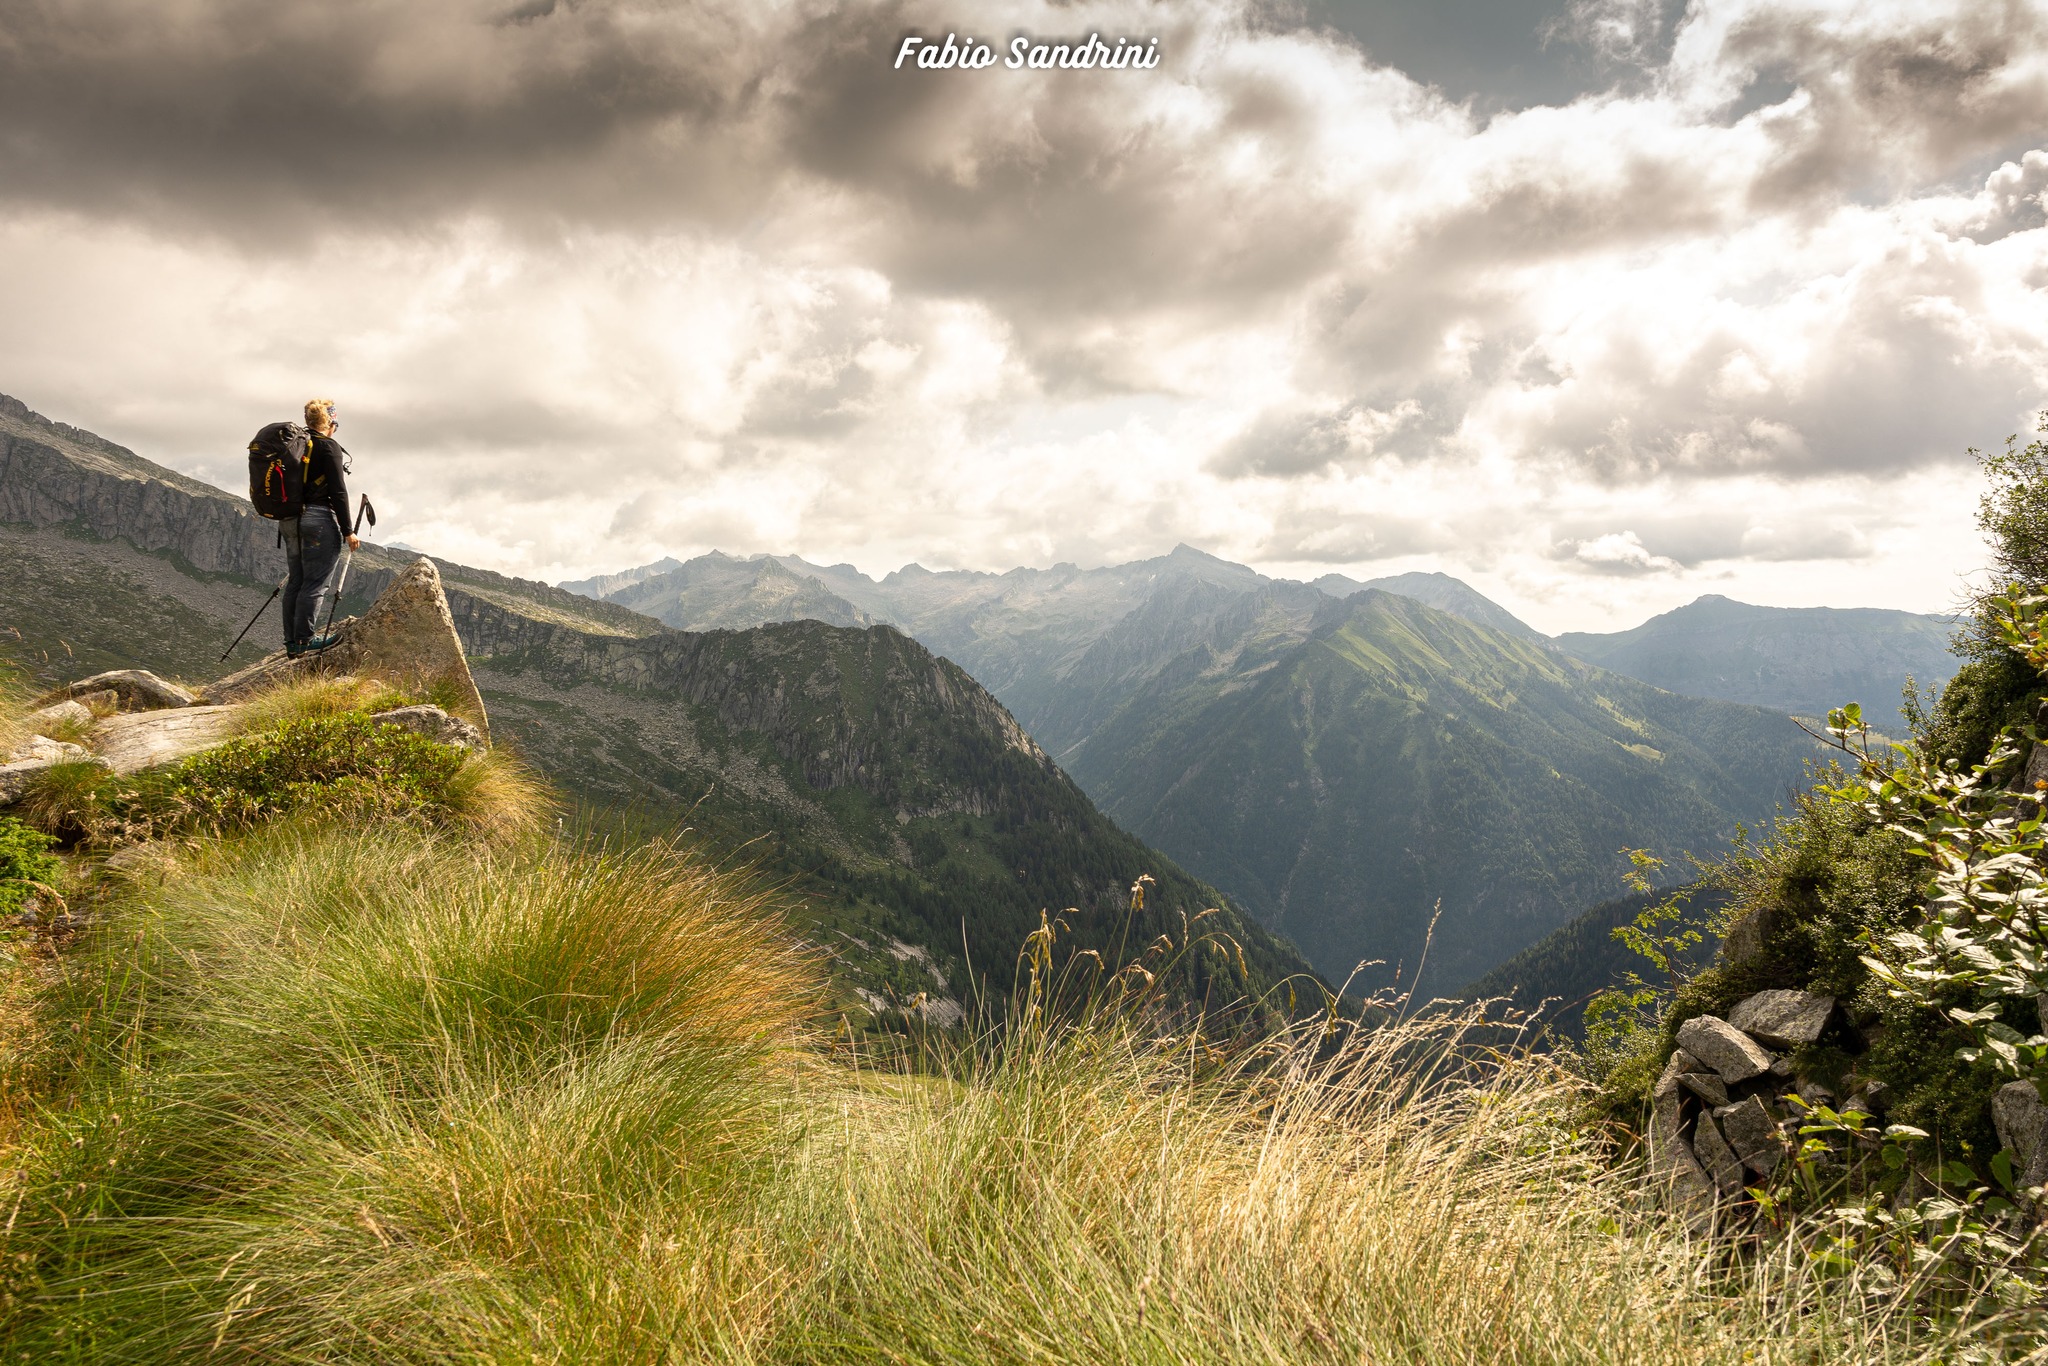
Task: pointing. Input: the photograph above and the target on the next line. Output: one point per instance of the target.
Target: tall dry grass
(394, 1097)
(15, 696)
(315, 697)
(1097, 1197)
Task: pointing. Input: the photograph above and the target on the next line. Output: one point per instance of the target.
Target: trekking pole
(253, 620)
(363, 510)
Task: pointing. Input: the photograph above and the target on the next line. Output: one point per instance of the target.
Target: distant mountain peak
(1443, 592)
(1798, 660)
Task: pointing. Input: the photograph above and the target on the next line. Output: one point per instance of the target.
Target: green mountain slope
(1799, 660)
(1343, 779)
(917, 827)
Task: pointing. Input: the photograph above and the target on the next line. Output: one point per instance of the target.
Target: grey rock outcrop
(407, 637)
(1708, 1086)
(1726, 1049)
(1753, 1134)
(134, 689)
(2022, 1123)
(1745, 938)
(18, 777)
(131, 743)
(1673, 1164)
(434, 724)
(1723, 1166)
(1786, 1019)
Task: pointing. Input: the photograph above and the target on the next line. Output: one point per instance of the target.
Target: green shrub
(24, 859)
(342, 766)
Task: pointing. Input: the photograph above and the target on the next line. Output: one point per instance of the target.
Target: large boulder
(130, 743)
(406, 638)
(1786, 1019)
(133, 689)
(1726, 1049)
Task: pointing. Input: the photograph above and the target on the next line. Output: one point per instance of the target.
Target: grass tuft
(387, 1097)
(495, 797)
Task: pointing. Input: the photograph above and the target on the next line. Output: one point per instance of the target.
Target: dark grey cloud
(275, 120)
(1891, 95)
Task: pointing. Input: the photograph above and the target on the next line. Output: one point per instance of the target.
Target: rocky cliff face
(57, 476)
(53, 475)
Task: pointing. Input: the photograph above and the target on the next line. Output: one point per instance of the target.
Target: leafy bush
(24, 860)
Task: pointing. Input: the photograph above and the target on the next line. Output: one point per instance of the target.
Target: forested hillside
(1348, 779)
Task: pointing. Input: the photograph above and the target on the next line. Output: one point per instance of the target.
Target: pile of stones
(1727, 1109)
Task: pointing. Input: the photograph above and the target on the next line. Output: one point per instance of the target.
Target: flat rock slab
(135, 689)
(1784, 1018)
(407, 637)
(132, 743)
(1723, 1047)
(48, 751)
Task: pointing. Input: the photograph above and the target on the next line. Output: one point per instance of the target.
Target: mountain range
(1346, 758)
(1349, 763)
(915, 828)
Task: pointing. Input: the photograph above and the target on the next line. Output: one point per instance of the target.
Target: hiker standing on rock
(297, 479)
(313, 540)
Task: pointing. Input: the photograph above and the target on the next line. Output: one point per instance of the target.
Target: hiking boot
(317, 644)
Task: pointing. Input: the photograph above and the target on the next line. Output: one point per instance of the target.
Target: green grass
(348, 1097)
(316, 758)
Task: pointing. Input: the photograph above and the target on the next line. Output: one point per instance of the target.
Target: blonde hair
(319, 414)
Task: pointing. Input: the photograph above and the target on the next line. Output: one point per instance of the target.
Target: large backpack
(277, 470)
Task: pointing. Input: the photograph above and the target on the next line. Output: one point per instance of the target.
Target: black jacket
(325, 482)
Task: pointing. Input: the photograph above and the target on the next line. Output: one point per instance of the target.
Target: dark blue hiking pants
(312, 546)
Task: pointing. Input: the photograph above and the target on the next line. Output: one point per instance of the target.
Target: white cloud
(605, 284)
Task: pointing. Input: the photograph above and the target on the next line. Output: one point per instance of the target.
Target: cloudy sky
(1599, 304)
